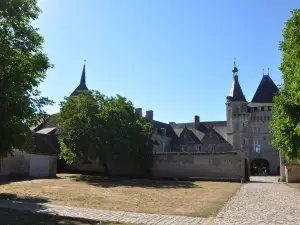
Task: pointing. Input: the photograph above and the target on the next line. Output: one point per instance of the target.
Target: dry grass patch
(135, 195)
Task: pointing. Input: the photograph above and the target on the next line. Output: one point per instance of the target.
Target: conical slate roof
(236, 94)
(266, 90)
(82, 86)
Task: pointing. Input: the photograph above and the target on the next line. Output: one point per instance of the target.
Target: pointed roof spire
(266, 90)
(236, 94)
(82, 79)
(82, 85)
(235, 69)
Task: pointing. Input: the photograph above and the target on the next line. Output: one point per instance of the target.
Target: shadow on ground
(14, 179)
(14, 197)
(15, 210)
(13, 217)
(146, 183)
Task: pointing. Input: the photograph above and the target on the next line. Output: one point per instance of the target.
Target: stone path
(104, 215)
(262, 202)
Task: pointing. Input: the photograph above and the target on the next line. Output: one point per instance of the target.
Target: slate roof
(169, 130)
(47, 130)
(190, 136)
(214, 123)
(45, 144)
(236, 94)
(82, 86)
(266, 90)
(202, 129)
(48, 126)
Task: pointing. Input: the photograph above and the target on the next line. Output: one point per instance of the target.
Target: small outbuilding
(39, 160)
(43, 157)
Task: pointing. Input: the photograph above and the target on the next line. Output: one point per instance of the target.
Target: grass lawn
(11, 217)
(199, 198)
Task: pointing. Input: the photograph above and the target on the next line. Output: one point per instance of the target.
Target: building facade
(246, 128)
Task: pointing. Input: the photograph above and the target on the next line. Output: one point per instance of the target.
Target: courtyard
(185, 198)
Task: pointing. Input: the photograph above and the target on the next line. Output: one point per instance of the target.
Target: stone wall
(227, 165)
(259, 131)
(17, 165)
(115, 167)
(292, 172)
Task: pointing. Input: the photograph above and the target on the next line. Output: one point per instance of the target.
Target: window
(262, 109)
(184, 148)
(256, 146)
(244, 141)
(269, 108)
(198, 147)
(213, 148)
(269, 117)
(256, 130)
(265, 118)
(255, 109)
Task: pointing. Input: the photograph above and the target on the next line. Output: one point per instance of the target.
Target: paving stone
(114, 216)
(262, 203)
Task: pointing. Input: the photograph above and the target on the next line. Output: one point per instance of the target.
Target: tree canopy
(285, 125)
(23, 67)
(94, 126)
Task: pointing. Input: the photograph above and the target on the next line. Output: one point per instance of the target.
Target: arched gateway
(260, 167)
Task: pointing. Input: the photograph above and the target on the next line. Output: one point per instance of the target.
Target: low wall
(19, 165)
(116, 168)
(292, 172)
(227, 165)
(15, 166)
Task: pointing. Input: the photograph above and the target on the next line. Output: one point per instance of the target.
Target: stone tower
(237, 116)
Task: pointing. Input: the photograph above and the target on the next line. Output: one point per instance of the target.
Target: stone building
(245, 130)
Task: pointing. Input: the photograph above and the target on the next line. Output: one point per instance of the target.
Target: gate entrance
(260, 167)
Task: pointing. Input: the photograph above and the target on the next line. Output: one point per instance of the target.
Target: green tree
(95, 126)
(285, 125)
(23, 66)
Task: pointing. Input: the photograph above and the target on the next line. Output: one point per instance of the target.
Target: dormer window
(198, 147)
(213, 148)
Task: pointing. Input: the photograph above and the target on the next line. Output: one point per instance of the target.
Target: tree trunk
(105, 167)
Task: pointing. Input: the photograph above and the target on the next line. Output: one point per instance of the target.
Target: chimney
(197, 120)
(138, 112)
(172, 124)
(149, 116)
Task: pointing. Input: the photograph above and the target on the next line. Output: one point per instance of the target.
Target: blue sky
(173, 57)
